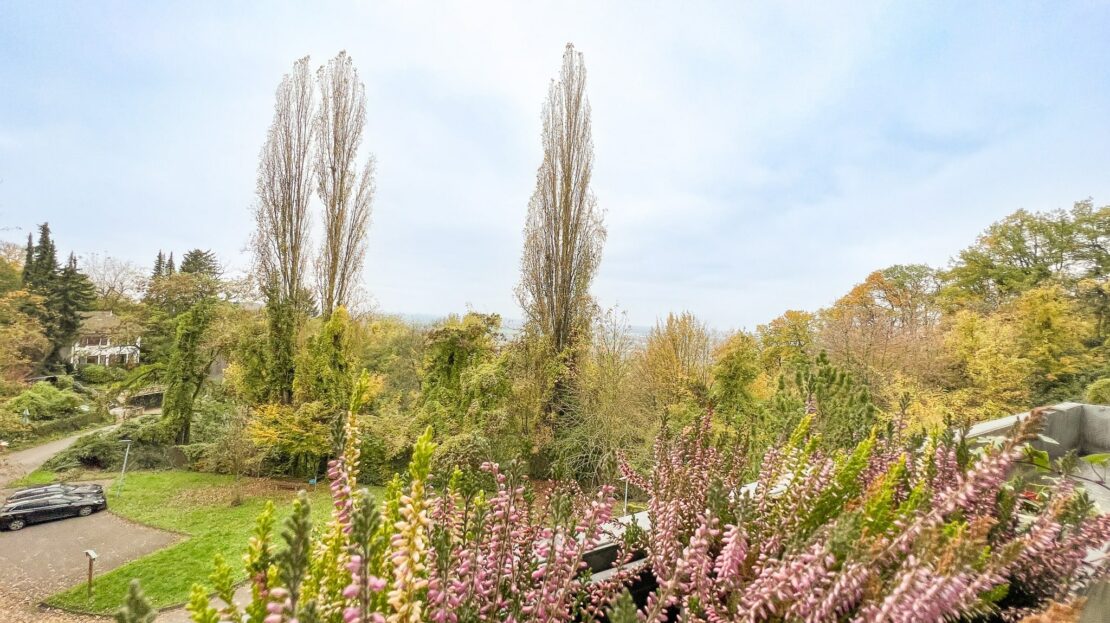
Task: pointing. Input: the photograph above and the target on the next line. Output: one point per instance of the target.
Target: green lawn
(198, 505)
(35, 478)
(45, 477)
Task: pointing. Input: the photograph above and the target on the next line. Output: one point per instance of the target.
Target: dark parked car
(56, 489)
(16, 515)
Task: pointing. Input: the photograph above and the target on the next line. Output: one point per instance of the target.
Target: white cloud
(750, 158)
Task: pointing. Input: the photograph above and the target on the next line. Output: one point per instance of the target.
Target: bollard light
(91, 555)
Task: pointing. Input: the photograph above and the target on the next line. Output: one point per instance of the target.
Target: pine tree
(70, 293)
(159, 266)
(200, 262)
(44, 263)
(28, 261)
(845, 411)
(169, 266)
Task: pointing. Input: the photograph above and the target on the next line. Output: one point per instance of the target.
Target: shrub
(1098, 393)
(71, 423)
(100, 375)
(892, 530)
(44, 401)
(105, 450)
(465, 451)
(12, 427)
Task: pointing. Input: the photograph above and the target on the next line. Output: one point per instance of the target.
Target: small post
(91, 555)
(123, 472)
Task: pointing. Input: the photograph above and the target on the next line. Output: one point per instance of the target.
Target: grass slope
(198, 505)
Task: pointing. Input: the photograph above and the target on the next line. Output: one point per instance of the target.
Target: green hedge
(100, 375)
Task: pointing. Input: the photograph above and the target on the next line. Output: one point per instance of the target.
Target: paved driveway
(43, 559)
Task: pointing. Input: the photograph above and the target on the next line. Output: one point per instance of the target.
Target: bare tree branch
(284, 188)
(346, 195)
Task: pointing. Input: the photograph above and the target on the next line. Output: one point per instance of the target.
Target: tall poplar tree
(345, 193)
(564, 231)
(280, 241)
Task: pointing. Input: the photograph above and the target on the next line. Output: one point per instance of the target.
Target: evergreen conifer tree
(44, 263)
(200, 262)
(170, 269)
(159, 266)
(28, 261)
(70, 293)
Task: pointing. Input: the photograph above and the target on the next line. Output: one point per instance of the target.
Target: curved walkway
(15, 465)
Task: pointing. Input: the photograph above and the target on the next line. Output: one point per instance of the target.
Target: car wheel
(16, 524)
(85, 511)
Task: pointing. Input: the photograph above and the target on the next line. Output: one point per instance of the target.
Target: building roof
(99, 322)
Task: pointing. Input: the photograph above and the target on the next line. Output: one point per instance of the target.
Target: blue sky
(751, 157)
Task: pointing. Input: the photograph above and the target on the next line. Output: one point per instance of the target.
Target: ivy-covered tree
(735, 370)
(282, 321)
(324, 371)
(458, 379)
(186, 371)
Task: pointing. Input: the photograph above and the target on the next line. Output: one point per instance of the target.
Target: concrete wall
(1096, 429)
(1072, 425)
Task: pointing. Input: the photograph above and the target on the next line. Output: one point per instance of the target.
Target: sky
(750, 157)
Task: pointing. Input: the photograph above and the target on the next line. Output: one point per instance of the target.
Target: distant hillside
(509, 326)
